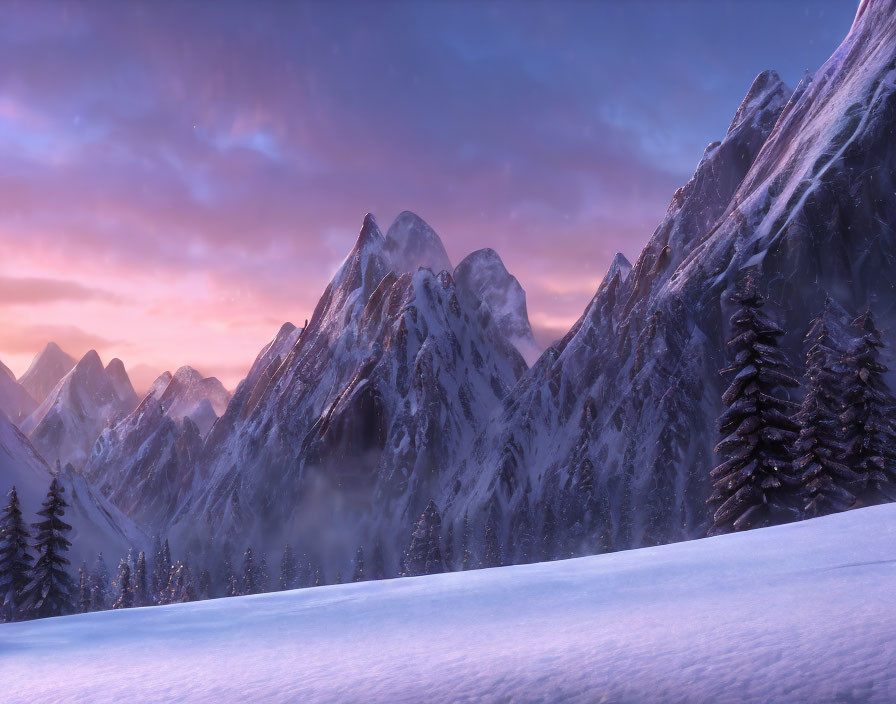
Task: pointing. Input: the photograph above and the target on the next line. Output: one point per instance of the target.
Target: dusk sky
(179, 179)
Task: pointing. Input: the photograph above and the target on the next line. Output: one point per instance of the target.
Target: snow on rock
(45, 371)
(97, 525)
(482, 278)
(411, 243)
(798, 613)
(146, 464)
(614, 426)
(15, 402)
(348, 434)
(83, 403)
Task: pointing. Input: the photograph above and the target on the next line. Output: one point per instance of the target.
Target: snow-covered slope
(797, 613)
(482, 278)
(83, 403)
(146, 464)
(15, 402)
(363, 420)
(45, 371)
(98, 526)
(613, 428)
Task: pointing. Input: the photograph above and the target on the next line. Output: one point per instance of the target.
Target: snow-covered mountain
(97, 525)
(45, 371)
(86, 400)
(411, 243)
(146, 464)
(798, 613)
(15, 402)
(613, 428)
(348, 435)
(482, 278)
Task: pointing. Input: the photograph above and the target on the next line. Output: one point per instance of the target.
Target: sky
(179, 179)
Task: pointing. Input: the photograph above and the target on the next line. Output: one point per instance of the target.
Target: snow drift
(798, 613)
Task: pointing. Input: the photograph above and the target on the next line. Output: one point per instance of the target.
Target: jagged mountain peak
(6, 371)
(122, 382)
(620, 265)
(45, 371)
(160, 384)
(766, 87)
(485, 282)
(411, 244)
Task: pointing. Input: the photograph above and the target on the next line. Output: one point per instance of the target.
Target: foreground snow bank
(805, 612)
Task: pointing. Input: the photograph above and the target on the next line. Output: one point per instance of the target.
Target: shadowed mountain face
(800, 194)
(347, 433)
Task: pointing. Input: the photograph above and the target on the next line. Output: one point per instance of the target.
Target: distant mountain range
(411, 380)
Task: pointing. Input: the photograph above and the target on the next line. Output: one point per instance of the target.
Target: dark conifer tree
(140, 586)
(449, 548)
(125, 598)
(754, 486)
(424, 554)
(263, 578)
(465, 552)
(378, 561)
(180, 585)
(548, 535)
(84, 598)
(492, 555)
(50, 591)
(154, 572)
(99, 584)
(233, 586)
(204, 588)
(817, 451)
(869, 438)
(289, 569)
(358, 576)
(338, 577)
(250, 573)
(15, 561)
(523, 530)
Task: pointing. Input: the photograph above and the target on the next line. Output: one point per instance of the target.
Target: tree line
(783, 461)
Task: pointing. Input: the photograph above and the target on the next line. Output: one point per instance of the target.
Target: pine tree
(465, 553)
(378, 561)
(523, 529)
(549, 535)
(84, 597)
(754, 485)
(825, 480)
(289, 569)
(249, 586)
(338, 577)
(50, 591)
(358, 576)
(14, 558)
(204, 588)
(154, 574)
(141, 588)
(181, 588)
(125, 598)
(99, 584)
(263, 579)
(492, 556)
(449, 548)
(233, 587)
(869, 438)
(162, 570)
(424, 554)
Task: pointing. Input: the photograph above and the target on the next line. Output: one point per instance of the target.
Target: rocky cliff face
(614, 426)
(347, 434)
